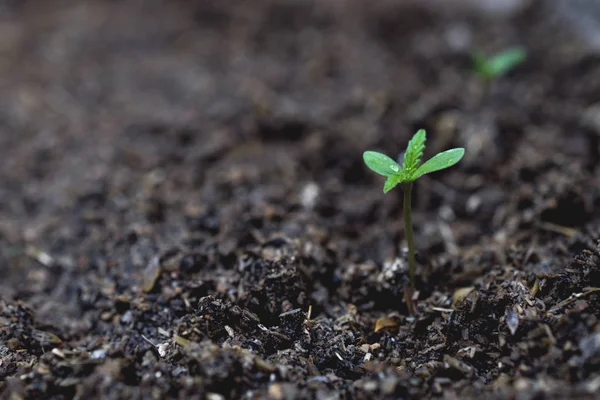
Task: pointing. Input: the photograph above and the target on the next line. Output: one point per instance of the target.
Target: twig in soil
(572, 298)
(148, 340)
(563, 230)
(549, 333)
(410, 171)
(443, 310)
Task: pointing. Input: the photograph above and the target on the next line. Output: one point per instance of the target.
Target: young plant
(491, 68)
(405, 175)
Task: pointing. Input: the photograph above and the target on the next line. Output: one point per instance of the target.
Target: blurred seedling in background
(491, 68)
(405, 175)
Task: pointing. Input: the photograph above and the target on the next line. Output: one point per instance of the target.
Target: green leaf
(413, 155)
(381, 164)
(391, 183)
(440, 161)
(499, 64)
(507, 60)
(480, 64)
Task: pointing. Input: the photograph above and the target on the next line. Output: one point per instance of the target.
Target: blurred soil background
(184, 210)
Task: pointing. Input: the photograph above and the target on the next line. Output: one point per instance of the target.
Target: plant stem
(409, 232)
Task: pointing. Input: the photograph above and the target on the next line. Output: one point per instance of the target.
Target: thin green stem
(409, 232)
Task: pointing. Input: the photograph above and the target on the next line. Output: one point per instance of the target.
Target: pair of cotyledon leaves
(410, 169)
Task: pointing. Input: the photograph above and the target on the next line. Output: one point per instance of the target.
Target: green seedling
(491, 68)
(405, 175)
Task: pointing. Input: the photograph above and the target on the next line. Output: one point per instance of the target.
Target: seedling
(405, 175)
(491, 68)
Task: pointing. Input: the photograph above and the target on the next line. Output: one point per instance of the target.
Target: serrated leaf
(391, 183)
(414, 153)
(440, 161)
(381, 164)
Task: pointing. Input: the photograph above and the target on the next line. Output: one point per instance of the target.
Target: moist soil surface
(185, 213)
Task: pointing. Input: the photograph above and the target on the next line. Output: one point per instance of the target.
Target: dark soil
(184, 211)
